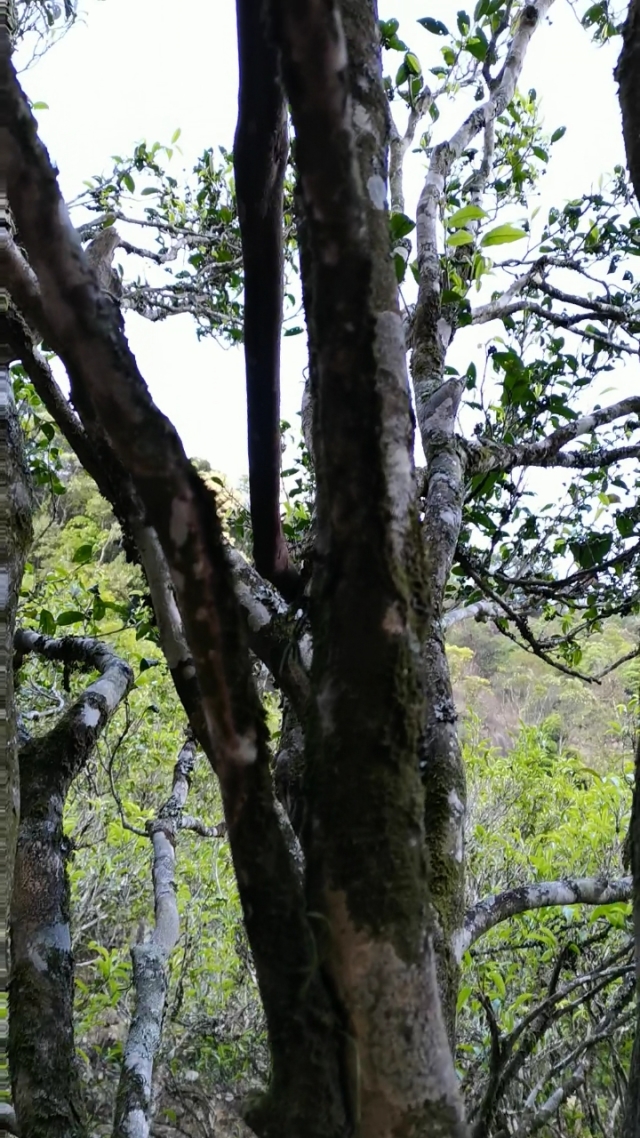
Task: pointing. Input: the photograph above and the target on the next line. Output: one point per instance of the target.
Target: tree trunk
(15, 539)
(364, 826)
(42, 1060)
(627, 74)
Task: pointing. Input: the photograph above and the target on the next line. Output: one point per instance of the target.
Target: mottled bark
(15, 539)
(44, 1079)
(150, 978)
(437, 404)
(364, 831)
(498, 907)
(628, 76)
(263, 610)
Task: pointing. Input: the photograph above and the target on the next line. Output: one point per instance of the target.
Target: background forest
(505, 758)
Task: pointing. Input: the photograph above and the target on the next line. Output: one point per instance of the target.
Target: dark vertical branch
(627, 74)
(260, 159)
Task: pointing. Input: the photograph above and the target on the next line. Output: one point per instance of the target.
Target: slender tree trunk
(44, 1080)
(15, 539)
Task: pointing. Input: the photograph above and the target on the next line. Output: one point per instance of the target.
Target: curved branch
(491, 911)
(43, 1075)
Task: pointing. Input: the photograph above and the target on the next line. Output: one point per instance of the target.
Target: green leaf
(83, 554)
(502, 234)
(39, 106)
(464, 23)
(296, 331)
(400, 225)
(413, 64)
(558, 134)
(70, 617)
(625, 525)
(463, 215)
(461, 237)
(176, 135)
(99, 608)
(436, 27)
(129, 182)
(478, 46)
(588, 554)
(463, 996)
(450, 296)
(47, 622)
(399, 266)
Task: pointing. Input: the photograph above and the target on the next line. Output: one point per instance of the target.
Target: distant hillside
(500, 685)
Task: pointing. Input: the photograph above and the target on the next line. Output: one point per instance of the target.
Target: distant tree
(353, 899)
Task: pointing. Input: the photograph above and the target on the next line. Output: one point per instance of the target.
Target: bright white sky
(136, 69)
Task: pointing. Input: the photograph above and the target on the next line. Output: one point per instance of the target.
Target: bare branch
(149, 961)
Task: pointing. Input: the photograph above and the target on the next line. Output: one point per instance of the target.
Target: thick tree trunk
(364, 827)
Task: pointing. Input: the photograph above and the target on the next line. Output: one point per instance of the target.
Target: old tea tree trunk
(345, 960)
(367, 884)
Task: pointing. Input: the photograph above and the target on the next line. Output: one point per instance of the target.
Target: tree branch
(491, 911)
(150, 980)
